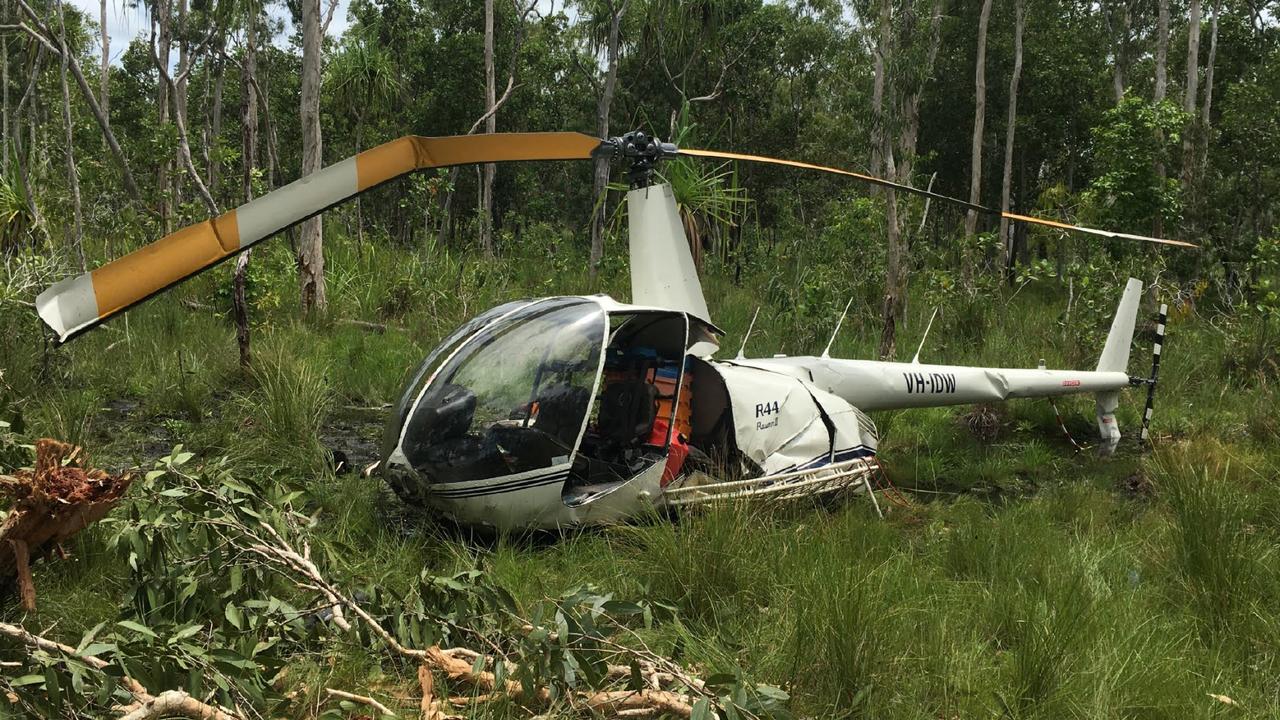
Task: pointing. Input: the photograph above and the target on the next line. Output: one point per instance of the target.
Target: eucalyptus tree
(76, 240)
(311, 239)
(979, 119)
(1011, 123)
(1190, 93)
(603, 26)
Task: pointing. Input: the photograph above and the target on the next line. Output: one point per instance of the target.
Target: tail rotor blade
(80, 303)
(929, 194)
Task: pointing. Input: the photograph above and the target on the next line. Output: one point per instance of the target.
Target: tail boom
(872, 385)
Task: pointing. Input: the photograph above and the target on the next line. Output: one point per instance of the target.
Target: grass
(1020, 579)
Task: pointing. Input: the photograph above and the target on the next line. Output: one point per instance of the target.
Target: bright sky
(126, 23)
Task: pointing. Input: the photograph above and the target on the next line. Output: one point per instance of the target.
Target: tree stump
(49, 504)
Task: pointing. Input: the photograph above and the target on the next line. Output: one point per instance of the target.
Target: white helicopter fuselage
(573, 411)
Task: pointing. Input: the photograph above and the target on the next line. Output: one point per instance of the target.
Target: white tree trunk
(164, 23)
(1162, 52)
(104, 78)
(1161, 90)
(248, 155)
(76, 239)
(1191, 94)
(1120, 70)
(46, 38)
(490, 126)
(894, 275)
(1006, 181)
(311, 240)
(1208, 86)
(180, 97)
(600, 180)
(979, 119)
(4, 90)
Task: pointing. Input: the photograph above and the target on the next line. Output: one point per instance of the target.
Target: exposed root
(51, 503)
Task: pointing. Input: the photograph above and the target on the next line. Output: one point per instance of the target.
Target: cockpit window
(513, 398)
(420, 375)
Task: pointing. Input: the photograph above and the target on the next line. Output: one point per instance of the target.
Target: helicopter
(569, 411)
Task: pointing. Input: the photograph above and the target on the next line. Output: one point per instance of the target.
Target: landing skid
(852, 474)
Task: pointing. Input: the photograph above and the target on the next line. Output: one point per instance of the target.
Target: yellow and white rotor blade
(79, 303)
(929, 194)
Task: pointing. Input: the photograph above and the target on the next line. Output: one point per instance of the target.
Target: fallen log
(49, 504)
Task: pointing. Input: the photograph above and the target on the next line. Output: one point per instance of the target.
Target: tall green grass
(1021, 579)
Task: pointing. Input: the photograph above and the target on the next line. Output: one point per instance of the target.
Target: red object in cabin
(677, 452)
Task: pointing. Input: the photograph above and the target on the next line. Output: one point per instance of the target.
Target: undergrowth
(1016, 578)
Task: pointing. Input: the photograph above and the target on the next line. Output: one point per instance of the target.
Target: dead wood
(171, 703)
(51, 503)
(363, 699)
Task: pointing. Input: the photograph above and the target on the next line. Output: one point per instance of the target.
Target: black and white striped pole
(1145, 439)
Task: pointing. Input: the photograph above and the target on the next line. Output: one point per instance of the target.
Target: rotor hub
(642, 150)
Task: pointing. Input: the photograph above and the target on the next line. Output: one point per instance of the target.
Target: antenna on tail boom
(826, 353)
(745, 338)
(916, 360)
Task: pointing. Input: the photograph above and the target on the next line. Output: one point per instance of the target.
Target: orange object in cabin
(684, 410)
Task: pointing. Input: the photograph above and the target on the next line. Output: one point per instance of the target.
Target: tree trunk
(184, 144)
(600, 180)
(880, 125)
(104, 76)
(1120, 71)
(359, 213)
(1162, 52)
(490, 126)
(44, 37)
(215, 119)
(894, 276)
(76, 240)
(1161, 90)
(164, 23)
(979, 118)
(311, 242)
(1011, 122)
(248, 156)
(1192, 93)
(180, 97)
(1208, 86)
(23, 156)
(4, 91)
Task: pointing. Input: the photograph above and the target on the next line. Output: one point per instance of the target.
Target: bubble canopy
(511, 398)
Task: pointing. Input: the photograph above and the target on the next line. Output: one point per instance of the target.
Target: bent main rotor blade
(79, 303)
(837, 171)
(927, 193)
(1094, 231)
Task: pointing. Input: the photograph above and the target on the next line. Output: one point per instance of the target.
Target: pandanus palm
(363, 77)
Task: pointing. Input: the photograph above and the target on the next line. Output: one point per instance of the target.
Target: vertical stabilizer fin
(1115, 354)
(1115, 358)
(662, 270)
